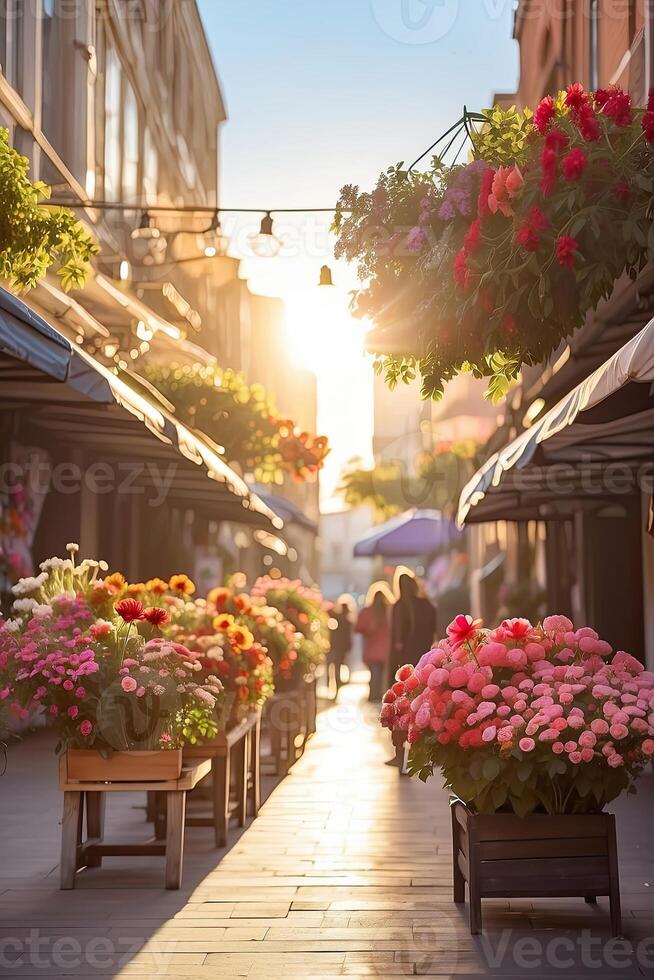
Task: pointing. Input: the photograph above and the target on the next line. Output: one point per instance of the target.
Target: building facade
(118, 107)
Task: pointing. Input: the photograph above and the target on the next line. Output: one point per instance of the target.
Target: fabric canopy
(411, 534)
(71, 399)
(609, 417)
(287, 509)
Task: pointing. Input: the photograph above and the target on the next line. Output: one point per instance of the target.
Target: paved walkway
(346, 872)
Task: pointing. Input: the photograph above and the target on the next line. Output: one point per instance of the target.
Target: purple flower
(416, 240)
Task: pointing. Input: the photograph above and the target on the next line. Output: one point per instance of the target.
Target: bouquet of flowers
(305, 609)
(526, 718)
(488, 265)
(105, 684)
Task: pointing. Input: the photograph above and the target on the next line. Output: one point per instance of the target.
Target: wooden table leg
(220, 777)
(242, 779)
(95, 810)
(459, 884)
(175, 814)
(159, 815)
(614, 882)
(255, 767)
(71, 838)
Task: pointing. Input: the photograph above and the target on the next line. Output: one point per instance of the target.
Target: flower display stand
(501, 855)
(239, 747)
(90, 796)
(87, 764)
(291, 720)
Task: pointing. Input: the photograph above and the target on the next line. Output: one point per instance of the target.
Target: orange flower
(218, 597)
(156, 585)
(223, 622)
(241, 637)
(115, 583)
(137, 589)
(242, 602)
(182, 584)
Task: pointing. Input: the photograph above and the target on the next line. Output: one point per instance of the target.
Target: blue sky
(320, 94)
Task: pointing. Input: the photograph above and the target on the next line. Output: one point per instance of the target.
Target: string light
(265, 245)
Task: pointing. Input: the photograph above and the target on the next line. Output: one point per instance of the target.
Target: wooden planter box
(87, 765)
(501, 855)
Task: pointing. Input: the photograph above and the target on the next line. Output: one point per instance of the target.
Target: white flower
(216, 653)
(204, 697)
(25, 605)
(241, 680)
(25, 585)
(72, 548)
(102, 565)
(13, 625)
(51, 563)
(42, 611)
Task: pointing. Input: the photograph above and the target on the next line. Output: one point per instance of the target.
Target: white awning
(608, 417)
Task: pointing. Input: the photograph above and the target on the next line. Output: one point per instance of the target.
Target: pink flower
(86, 728)
(648, 746)
(507, 184)
(557, 624)
(73, 711)
(462, 629)
(527, 744)
(128, 684)
(615, 760)
(619, 731)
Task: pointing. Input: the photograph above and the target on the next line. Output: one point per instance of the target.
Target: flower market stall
(149, 685)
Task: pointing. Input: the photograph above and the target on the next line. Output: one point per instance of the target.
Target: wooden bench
(239, 746)
(77, 853)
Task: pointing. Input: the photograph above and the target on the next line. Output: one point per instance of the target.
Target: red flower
(574, 163)
(509, 326)
(648, 125)
(485, 188)
(537, 219)
(156, 616)
(548, 163)
(618, 107)
(602, 96)
(130, 610)
(527, 237)
(544, 114)
(566, 247)
(556, 140)
(472, 237)
(575, 97)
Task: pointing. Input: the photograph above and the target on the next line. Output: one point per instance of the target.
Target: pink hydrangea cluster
(526, 693)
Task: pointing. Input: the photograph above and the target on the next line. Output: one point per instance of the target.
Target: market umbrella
(411, 534)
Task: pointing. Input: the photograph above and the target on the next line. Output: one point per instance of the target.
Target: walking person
(343, 614)
(413, 631)
(374, 625)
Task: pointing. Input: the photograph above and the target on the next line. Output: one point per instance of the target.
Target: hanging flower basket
(489, 265)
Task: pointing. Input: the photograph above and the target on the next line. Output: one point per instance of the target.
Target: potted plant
(535, 729)
(123, 704)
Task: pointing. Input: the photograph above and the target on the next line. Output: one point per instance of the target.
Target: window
(112, 149)
(52, 68)
(593, 37)
(12, 19)
(150, 168)
(130, 145)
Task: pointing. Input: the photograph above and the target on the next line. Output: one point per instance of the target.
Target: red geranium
(544, 114)
(574, 163)
(130, 610)
(566, 247)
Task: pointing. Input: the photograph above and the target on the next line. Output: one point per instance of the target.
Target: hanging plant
(435, 481)
(487, 266)
(242, 418)
(32, 237)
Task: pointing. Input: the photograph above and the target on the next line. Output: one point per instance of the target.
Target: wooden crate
(501, 855)
(87, 765)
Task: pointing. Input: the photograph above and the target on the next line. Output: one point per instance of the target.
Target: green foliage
(435, 482)
(32, 237)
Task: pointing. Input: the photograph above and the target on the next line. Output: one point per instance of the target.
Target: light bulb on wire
(265, 244)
